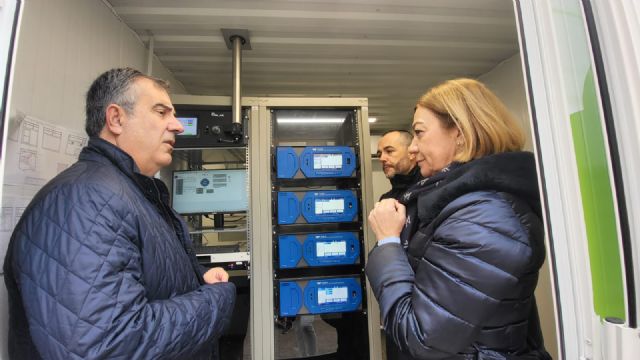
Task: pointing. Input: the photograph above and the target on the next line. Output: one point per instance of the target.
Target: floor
(297, 341)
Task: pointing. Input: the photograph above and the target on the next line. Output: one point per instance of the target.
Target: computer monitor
(210, 191)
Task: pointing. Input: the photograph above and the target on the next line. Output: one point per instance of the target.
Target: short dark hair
(112, 87)
(404, 135)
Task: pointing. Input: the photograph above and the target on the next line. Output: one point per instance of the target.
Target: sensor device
(208, 127)
(315, 162)
(324, 249)
(329, 206)
(288, 208)
(190, 125)
(286, 162)
(290, 298)
(327, 161)
(320, 296)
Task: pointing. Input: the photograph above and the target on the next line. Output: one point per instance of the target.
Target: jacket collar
(400, 181)
(509, 172)
(105, 152)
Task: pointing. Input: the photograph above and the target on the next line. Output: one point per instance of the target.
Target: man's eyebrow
(165, 107)
(388, 148)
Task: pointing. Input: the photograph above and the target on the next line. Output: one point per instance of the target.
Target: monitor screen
(327, 161)
(331, 248)
(190, 126)
(332, 295)
(210, 191)
(329, 206)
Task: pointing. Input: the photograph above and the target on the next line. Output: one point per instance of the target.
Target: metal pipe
(152, 44)
(237, 94)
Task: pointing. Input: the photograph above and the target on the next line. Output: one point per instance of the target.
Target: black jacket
(99, 266)
(400, 183)
(464, 287)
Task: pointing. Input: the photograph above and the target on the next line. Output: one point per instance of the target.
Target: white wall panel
(64, 45)
(506, 81)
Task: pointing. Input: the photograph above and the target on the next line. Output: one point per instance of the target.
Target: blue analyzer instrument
(320, 296)
(325, 249)
(288, 208)
(290, 298)
(329, 206)
(332, 295)
(327, 161)
(286, 162)
(315, 162)
(289, 251)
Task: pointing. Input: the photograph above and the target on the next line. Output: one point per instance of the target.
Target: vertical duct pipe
(236, 40)
(237, 92)
(152, 45)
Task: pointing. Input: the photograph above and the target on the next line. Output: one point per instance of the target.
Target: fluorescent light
(317, 120)
(310, 121)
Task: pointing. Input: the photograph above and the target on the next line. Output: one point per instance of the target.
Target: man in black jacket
(400, 168)
(397, 164)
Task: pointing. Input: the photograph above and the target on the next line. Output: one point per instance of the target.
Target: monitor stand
(218, 221)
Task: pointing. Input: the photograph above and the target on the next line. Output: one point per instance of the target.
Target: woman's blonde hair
(483, 120)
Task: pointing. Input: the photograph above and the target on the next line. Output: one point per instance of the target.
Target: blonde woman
(458, 256)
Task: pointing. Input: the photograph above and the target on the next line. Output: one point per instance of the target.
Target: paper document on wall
(36, 152)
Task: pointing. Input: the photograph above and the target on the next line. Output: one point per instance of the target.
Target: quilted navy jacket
(464, 287)
(99, 266)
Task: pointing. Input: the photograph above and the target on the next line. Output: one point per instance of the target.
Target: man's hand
(387, 218)
(216, 275)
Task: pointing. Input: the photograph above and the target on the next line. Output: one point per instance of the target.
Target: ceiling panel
(389, 51)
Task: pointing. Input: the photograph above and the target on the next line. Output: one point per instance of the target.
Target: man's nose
(175, 125)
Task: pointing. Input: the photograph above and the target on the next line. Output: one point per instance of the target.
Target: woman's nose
(413, 147)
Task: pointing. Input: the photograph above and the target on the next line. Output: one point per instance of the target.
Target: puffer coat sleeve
(82, 285)
(476, 258)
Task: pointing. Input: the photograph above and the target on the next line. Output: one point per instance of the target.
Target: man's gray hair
(113, 87)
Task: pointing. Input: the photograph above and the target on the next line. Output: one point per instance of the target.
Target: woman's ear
(115, 118)
(458, 136)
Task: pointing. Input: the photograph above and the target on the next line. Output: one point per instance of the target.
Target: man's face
(394, 155)
(148, 132)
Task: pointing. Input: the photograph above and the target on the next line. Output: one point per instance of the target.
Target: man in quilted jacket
(100, 266)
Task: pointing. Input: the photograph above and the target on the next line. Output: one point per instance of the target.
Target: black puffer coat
(401, 183)
(464, 287)
(100, 267)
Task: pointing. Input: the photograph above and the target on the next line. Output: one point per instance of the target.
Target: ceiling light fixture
(310, 121)
(372, 120)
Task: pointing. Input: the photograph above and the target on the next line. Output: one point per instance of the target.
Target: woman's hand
(387, 218)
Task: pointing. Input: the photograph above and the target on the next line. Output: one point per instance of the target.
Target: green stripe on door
(598, 206)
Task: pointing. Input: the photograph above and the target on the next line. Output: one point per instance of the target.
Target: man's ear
(115, 118)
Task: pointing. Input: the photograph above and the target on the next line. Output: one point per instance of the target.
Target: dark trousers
(231, 343)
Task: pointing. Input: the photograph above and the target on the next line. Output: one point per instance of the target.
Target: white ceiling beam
(256, 41)
(203, 59)
(240, 14)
